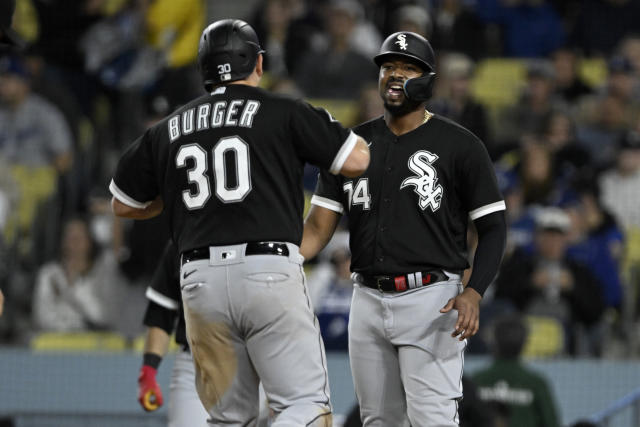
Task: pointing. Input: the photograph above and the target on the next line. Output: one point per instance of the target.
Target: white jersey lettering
(249, 112)
(426, 181)
(232, 111)
(174, 128)
(203, 117)
(188, 125)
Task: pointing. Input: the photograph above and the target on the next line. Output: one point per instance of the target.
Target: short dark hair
(509, 335)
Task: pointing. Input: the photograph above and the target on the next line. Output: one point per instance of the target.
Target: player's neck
(401, 124)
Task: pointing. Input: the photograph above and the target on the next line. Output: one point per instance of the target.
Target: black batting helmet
(228, 51)
(414, 47)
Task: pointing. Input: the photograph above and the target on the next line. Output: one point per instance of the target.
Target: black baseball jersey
(165, 299)
(229, 166)
(409, 211)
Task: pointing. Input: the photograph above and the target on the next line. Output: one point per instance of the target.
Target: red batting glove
(149, 393)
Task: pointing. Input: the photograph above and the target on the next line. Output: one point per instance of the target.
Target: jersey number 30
(197, 174)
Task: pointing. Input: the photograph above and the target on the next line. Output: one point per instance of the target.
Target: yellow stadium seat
(345, 111)
(78, 341)
(593, 71)
(497, 82)
(138, 344)
(545, 339)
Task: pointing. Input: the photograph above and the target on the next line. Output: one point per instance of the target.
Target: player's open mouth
(395, 90)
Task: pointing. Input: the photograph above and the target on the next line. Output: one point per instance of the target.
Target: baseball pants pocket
(267, 278)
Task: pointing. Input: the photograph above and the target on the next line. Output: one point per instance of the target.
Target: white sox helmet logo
(426, 181)
(402, 41)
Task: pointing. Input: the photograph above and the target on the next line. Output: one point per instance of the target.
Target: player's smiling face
(393, 73)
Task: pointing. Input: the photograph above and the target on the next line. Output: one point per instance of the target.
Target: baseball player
(227, 168)
(164, 315)
(163, 310)
(408, 217)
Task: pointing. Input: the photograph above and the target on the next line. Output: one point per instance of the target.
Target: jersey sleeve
(163, 292)
(479, 186)
(329, 193)
(134, 182)
(319, 138)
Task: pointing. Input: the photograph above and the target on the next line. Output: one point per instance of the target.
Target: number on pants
(197, 174)
(360, 195)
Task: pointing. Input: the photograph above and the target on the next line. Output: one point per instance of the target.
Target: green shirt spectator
(525, 393)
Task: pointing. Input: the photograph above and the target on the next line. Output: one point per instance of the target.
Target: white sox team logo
(402, 41)
(426, 183)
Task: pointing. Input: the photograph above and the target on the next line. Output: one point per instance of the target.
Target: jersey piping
(161, 300)
(124, 198)
(323, 202)
(487, 209)
(343, 153)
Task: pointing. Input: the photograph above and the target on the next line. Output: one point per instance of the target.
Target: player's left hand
(149, 393)
(468, 306)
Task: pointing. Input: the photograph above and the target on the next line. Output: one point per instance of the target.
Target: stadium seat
(345, 111)
(78, 341)
(593, 71)
(546, 337)
(497, 82)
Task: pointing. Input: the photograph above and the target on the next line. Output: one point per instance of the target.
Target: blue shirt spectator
(530, 28)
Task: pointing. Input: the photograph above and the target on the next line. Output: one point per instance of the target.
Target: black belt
(253, 248)
(401, 283)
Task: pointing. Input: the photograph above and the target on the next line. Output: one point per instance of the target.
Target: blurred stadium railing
(99, 388)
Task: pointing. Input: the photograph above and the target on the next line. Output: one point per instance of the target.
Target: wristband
(152, 360)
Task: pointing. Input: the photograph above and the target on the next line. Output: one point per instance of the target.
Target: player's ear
(258, 69)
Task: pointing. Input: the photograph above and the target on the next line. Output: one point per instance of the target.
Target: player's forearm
(125, 211)
(157, 341)
(358, 160)
(491, 243)
(318, 229)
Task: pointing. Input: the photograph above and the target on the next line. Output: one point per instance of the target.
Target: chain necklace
(427, 116)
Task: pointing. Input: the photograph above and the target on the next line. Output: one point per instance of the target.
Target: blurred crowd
(95, 73)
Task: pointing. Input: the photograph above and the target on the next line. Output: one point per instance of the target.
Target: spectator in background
(536, 173)
(601, 24)
(548, 283)
(530, 28)
(8, 37)
(525, 393)
(457, 28)
(71, 294)
(630, 48)
(597, 241)
(558, 133)
(36, 143)
(454, 99)
(414, 18)
(537, 99)
(337, 70)
(369, 104)
(570, 86)
(520, 217)
(174, 28)
(612, 109)
(620, 184)
(272, 22)
(331, 289)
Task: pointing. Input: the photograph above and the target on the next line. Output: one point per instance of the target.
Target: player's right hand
(149, 393)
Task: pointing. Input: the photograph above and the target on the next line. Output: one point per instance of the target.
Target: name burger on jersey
(237, 112)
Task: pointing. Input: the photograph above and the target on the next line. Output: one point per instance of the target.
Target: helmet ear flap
(420, 88)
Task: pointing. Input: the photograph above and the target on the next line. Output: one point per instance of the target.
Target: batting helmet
(417, 48)
(228, 51)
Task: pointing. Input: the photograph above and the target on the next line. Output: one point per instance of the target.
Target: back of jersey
(229, 165)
